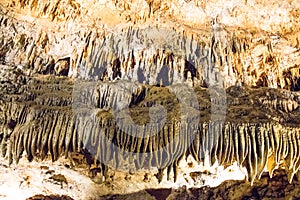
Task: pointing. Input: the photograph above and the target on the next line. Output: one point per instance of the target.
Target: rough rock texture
(276, 187)
(144, 84)
(258, 131)
(60, 37)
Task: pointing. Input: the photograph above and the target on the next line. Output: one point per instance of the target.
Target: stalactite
(49, 126)
(18, 144)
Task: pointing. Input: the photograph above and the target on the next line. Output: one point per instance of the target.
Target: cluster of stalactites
(254, 146)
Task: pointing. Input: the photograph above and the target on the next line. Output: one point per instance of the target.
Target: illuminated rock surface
(162, 93)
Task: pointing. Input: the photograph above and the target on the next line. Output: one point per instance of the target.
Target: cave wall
(225, 78)
(68, 38)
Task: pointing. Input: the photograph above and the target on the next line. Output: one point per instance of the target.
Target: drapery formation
(44, 117)
(145, 96)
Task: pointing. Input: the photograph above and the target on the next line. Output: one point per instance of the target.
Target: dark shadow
(295, 81)
(189, 67)
(263, 80)
(11, 124)
(163, 76)
(49, 68)
(99, 71)
(116, 68)
(141, 77)
(297, 85)
(159, 194)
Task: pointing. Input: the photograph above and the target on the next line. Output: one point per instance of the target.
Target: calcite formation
(143, 84)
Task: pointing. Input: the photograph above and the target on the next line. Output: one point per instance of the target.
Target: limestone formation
(143, 84)
(38, 119)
